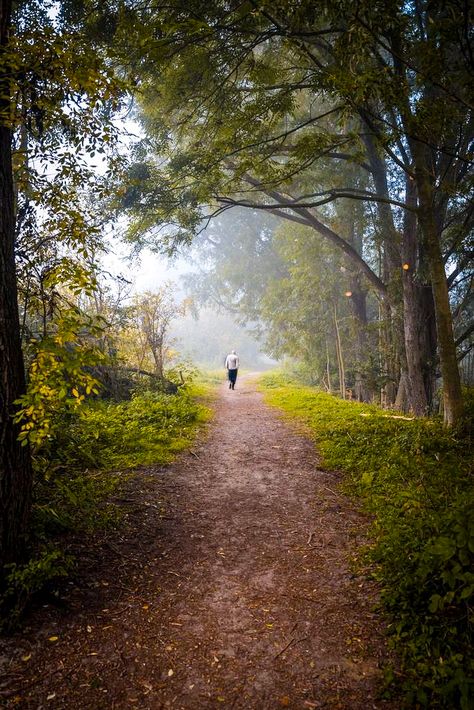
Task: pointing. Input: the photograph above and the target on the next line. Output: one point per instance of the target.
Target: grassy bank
(79, 468)
(416, 480)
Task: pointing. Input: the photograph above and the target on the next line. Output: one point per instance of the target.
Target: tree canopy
(294, 109)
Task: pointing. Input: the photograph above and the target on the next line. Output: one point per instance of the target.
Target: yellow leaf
(170, 672)
(75, 392)
(53, 638)
(26, 658)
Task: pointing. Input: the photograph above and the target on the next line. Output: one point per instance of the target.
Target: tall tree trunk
(452, 395)
(328, 368)
(412, 323)
(15, 464)
(405, 314)
(340, 358)
(358, 302)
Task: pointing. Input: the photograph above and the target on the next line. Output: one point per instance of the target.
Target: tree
(154, 313)
(15, 463)
(260, 84)
(57, 94)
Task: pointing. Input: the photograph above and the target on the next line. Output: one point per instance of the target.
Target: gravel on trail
(230, 585)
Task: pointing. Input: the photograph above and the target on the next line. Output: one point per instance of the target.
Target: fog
(208, 336)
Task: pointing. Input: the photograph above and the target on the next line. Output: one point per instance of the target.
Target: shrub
(23, 580)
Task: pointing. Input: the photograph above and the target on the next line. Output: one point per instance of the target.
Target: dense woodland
(314, 160)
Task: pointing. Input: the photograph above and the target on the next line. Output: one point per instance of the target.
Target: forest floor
(229, 586)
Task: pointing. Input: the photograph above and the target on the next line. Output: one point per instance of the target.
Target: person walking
(232, 365)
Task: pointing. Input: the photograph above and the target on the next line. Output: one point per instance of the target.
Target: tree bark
(15, 463)
(452, 395)
(403, 291)
(340, 358)
(412, 323)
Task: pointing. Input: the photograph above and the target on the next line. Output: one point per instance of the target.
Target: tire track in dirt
(231, 588)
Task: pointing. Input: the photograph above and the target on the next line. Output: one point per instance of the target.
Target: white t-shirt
(232, 362)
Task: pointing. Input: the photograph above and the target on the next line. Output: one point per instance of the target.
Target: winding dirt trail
(231, 588)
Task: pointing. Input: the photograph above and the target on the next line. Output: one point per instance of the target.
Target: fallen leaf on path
(53, 638)
(170, 672)
(26, 658)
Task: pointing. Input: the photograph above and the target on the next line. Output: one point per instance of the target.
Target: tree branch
(304, 216)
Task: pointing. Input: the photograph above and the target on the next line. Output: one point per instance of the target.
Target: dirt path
(230, 589)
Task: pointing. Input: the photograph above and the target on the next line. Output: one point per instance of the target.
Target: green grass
(79, 468)
(150, 429)
(209, 378)
(415, 477)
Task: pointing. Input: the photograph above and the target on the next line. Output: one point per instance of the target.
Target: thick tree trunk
(429, 341)
(412, 323)
(405, 313)
(452, 395)
(15, 465)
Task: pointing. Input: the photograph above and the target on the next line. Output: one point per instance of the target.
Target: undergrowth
(416, 478)
(79, 467)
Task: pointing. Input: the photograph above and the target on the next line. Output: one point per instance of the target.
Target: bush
(23, 580)
(74, 467)
(415, 477)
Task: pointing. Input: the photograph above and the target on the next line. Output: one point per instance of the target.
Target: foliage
(147, 343)
(22, 581)
(60, 377)
(295, 112)
(417, 481)
(150, 429)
